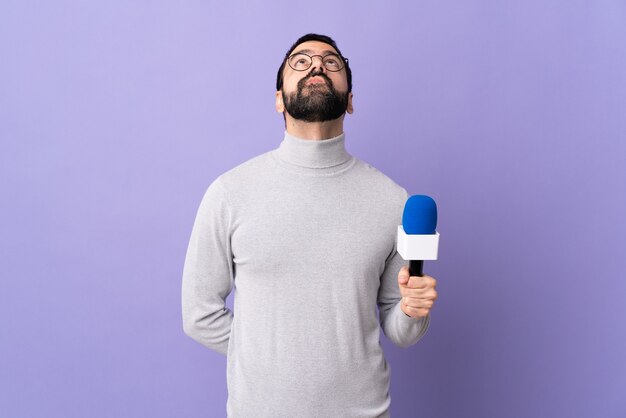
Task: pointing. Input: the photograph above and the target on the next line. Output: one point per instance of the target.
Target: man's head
(314, 81)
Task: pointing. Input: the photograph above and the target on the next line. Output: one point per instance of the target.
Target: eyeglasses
(302, 62)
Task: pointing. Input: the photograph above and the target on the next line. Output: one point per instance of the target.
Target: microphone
(417, 238)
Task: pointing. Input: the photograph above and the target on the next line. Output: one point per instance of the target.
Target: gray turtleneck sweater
(305, 234)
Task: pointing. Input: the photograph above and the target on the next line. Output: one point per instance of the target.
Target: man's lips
(315, 79)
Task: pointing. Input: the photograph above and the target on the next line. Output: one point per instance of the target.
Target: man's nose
(318, 64)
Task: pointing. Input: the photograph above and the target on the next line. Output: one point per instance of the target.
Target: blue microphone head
(420, 215)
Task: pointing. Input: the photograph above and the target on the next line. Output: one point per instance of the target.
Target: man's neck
(315, 131)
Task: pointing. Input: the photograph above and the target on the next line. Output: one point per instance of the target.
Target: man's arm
(401, 329)
(208, 273)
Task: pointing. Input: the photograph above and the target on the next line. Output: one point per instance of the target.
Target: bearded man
(305, 235)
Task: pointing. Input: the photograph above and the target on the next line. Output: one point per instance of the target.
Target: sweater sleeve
(401, 329)
(208, 273)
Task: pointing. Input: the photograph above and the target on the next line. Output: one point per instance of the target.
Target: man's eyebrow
(311, 52)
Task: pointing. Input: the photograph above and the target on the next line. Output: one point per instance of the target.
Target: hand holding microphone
(417, 241)
(418, 293)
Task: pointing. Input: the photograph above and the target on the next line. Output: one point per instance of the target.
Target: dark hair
(311, 37)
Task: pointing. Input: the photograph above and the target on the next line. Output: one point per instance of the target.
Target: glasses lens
(333, 62)
(299, 62)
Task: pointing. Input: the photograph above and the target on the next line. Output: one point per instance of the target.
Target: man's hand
(418, 293)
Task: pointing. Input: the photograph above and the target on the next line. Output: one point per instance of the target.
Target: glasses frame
(332, 54)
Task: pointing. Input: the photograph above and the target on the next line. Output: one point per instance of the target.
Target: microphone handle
(415, 267)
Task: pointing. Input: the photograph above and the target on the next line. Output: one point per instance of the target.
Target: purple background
(115, 116)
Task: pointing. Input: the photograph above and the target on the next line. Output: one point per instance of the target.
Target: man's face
(316, 94)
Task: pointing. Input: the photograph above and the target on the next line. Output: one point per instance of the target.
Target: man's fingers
(426, 293)
(421, 282)
(403, 275)
(417, 303)
(415, 282)
(418, 293)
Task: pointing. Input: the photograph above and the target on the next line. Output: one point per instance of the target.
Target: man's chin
(315, 117)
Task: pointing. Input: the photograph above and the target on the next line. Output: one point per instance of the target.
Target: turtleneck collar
(308, 153)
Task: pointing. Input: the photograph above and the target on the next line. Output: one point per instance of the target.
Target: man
(305, 234)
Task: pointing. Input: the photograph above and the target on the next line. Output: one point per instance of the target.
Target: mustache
(312, 74)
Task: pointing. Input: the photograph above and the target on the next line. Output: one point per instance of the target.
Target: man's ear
(280, 106)
(350, 109)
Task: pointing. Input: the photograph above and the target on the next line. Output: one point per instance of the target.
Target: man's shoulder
(248, 169)
(244, 177)
(379, 180)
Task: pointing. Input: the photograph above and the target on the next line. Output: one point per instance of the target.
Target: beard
(317, 102)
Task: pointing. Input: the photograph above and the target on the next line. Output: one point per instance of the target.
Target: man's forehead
(315, 48)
